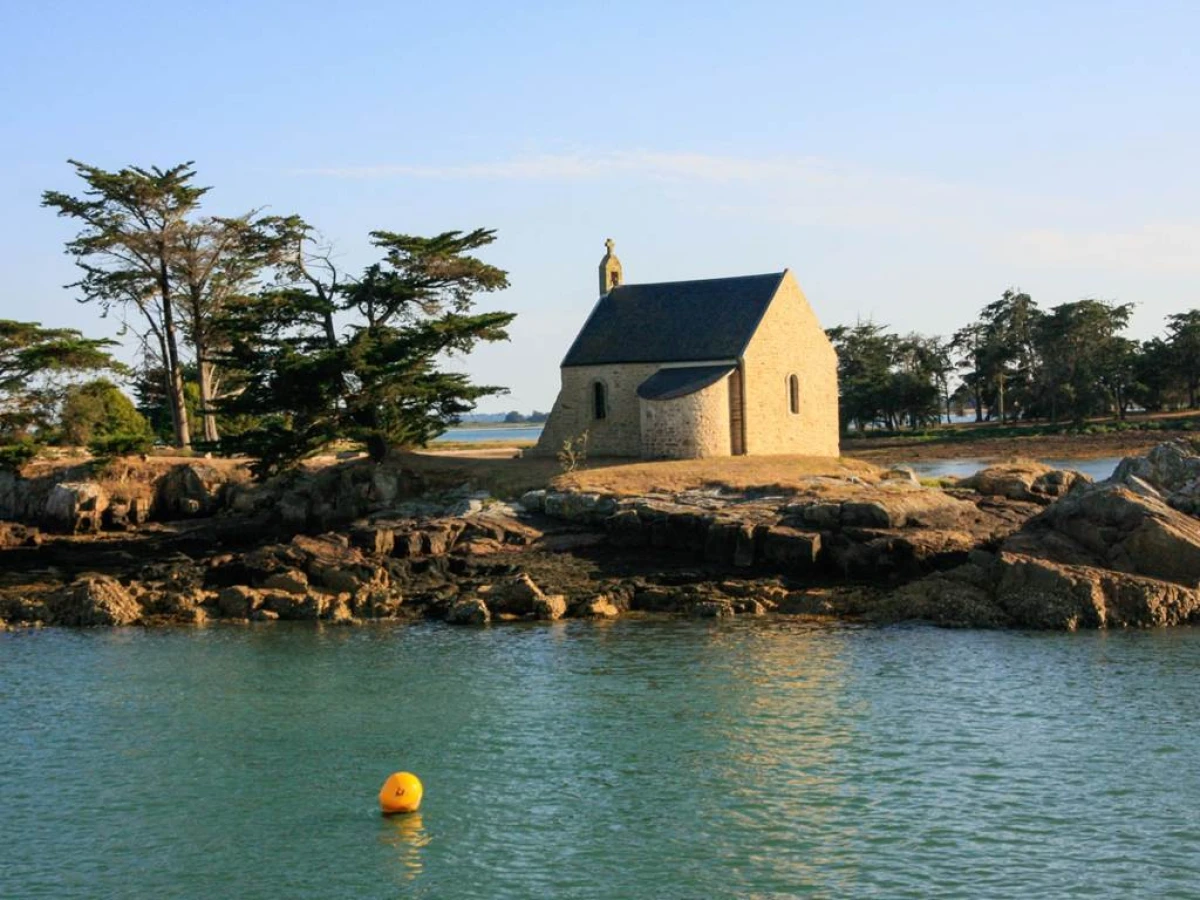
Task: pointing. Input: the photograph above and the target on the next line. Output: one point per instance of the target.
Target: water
(665, 759)
(1099, 469)
(474, 435)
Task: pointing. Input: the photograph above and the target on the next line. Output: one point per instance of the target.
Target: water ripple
(760, 759)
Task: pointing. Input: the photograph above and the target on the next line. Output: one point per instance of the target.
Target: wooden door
(737, 418)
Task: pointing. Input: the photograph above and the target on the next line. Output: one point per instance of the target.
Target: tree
(929, 363)
(1087, 364)
(889, 379)
(377, 380)
(129, 249)
(1156, 381)
(32, 360)
(97, 414)
(971, 348)
(217, 263)
(1009, 350)
(865, 355)
(1183, 338)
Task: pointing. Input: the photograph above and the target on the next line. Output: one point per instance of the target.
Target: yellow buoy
(401, 793)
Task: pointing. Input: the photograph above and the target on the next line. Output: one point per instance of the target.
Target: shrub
(16, 454)
(573, 452)
(98, 415)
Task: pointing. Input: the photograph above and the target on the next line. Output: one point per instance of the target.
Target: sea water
(750, 758)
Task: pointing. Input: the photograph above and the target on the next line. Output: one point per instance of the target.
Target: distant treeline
(1017, 362)
(509, 418)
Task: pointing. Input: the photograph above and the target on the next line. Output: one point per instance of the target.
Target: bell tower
(610, 269)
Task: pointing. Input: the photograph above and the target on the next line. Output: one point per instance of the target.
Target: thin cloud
(556, 167)
(1154, 248)
(799, 189)
(818, 192)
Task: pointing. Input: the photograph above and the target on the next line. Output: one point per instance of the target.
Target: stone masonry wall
(619, 434)
(696, 425)
(790, 340)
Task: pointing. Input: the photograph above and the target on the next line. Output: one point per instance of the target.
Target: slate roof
(667, 384)
(674, 321)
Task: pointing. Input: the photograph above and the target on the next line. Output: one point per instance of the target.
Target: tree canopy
(379, 378)
(33, 363)
(1017, 361)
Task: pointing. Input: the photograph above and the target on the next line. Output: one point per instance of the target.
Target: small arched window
(599, 400)
(793, 386)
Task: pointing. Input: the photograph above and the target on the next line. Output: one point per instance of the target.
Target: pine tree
(379, 379)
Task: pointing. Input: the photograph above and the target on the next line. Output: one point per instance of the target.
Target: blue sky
(907, 161)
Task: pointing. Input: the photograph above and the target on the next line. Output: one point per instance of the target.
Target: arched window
(599, 400)
(794, 394)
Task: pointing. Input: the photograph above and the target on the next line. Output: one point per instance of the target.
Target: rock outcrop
(1032, 482)
(93, 600)
(75, 508)
(1102, 557)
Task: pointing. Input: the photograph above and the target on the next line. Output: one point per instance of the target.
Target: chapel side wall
(689, 427)
(619, 434)
(790, 340)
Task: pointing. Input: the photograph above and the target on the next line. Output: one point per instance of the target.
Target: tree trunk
(207, 400)
(179, 418)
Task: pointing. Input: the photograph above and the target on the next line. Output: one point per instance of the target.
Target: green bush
(16, 454)
(99, 416)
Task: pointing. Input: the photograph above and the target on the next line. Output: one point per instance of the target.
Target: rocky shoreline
(1017, 545)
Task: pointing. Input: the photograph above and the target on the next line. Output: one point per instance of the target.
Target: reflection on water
(406, 836)
(756, 757)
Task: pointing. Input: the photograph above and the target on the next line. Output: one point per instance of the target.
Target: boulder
(598, 607)
(127, 515)
(1169, 467)
(942, 599)
(902, 474)
(189, 490)
(1111, 526)
(238, 601)
(75, 507)
(1025, 480)
(549, 608)
(710, 609)
(791, 549)
(468, 611)
(583, 506)
(332, 563)
(518, 596)
(14, 535)
(294, 607)
(376, 539)
(438, 538)
(289, 581)
(94, 600)
(1036, 593)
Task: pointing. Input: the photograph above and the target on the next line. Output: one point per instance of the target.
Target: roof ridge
(698, 280)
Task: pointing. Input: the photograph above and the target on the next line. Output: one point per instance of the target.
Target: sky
(907, 161)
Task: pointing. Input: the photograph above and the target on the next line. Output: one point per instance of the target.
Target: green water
(764, 758)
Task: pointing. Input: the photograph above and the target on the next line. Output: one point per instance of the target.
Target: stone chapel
(686, 369)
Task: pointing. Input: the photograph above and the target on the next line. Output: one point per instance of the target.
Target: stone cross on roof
(611, 275)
